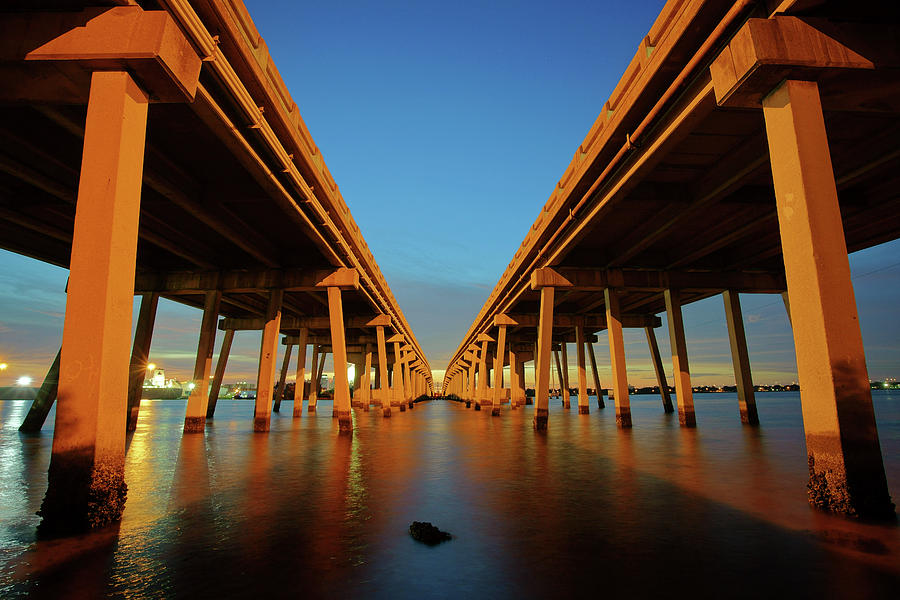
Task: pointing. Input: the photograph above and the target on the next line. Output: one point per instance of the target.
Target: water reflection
(303, 511)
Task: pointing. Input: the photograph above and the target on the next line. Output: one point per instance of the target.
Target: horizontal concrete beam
(766, 51)
(147, 44)
(292, 323)
(588, 280)
(591, 322)
(291, 340)
(245, 281)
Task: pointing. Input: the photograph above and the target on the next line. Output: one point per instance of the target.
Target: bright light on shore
(3, 366)
(151, 366)
(192, 385)
(24, 380)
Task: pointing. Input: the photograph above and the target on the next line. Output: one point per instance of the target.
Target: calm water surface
(583, 510)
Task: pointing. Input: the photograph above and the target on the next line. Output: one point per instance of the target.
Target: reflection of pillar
(584, 406)
(739, 358)
(339, 355)
(140, 353)
(845, 464)
(382, 375)
(216, 385)
(301, 371)
(282, 377)
(268, 351)
(313, 386)
(684, 395)
(597, 386)
(542, 364)
(658, 369)
(617, 357)
(86, 485)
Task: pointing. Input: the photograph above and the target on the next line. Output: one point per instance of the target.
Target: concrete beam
(292, 323)
(245, 281)
(597, 280)
(591, 322)
(147, 44)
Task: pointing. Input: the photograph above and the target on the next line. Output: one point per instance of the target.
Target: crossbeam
(594, 322)
(587, 280)
(245, 281)
(291, 323)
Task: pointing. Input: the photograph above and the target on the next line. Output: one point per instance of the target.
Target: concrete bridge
(152, 148)
(746, 149)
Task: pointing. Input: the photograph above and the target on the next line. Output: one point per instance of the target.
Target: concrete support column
(471, 390)
(198, 401)
(397, 379)
(658, 369)
(584, 406)
(498, 371)
(522, 400)
(684, 394)
(301, 371)
(845, 464)
(339, 354)
(320, 371)
(282, 378)
(596, 374)
(140, 354)
(542, 364)
(740, 359)
(382, 375)
(483, 377)
(513, 381)
(617, 357)
(559, 374)
(44, 400)
(313, 384)
(216, 384)
(268, 352)
(564, 382)
(87, 467)
(367, 379)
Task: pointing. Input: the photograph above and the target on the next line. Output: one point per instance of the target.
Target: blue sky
(446, 125)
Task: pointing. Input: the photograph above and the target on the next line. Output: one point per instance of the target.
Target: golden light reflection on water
(234, 513)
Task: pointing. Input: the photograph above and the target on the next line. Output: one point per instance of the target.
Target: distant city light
(151, 366)
(3, 366)
(191, 385)
(23, 380)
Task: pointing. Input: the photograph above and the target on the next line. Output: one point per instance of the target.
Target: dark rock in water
(427, 533)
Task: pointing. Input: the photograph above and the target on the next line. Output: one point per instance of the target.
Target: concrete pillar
(656, 359)
(740, 359)
(483, 397)
(382, 375)
(268, 351)
(596, 374)
(564, 382)
(584, 406)
(313, 385)
(559, 374)
(301, 371)
(339, 354)
(471, 394)
(140, 354)
(282, 378)
(86, 485)
(513, 381)
(617, 358)
(44, 400)
(397, 380)
(216, 384)
(195, 414)
(498, 371)
(684, 395)
(404, 371)
(845, 464)
(320, 371)
(522, 400)
(542, 364)
(367, 379)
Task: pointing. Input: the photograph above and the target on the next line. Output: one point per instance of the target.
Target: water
(584, 510)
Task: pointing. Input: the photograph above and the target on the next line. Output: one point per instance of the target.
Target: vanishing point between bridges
(152, 149)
